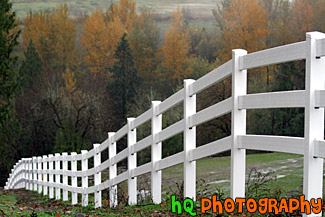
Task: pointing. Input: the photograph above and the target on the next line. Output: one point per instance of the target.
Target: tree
(31, 65)
(175, 50)
(144, 39)
(125, 12)
(242, 24)
(301, 19)
(125, 81)
(53, 34)
(8, 87)
(99, 40)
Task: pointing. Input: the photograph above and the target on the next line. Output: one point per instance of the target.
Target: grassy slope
(215, 171)
(201, 7)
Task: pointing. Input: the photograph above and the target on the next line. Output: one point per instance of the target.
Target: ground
(212, 173)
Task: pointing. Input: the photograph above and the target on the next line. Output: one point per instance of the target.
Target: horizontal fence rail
(49, 174)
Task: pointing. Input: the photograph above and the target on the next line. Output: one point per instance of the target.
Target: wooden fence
(37, 173)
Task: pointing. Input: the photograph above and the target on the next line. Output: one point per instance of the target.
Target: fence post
(51, 181)
(189, 141)
(65, 177)
(39, 172)
(35, 173)
(57, 176)
(314, 120)
(98, 176)
(238, 127)
(74, 194)
(156, 126)
(112, 170)
(132, 163)
(84, 168)
(45, 173)
(30, 162)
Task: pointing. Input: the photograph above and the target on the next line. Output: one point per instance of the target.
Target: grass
(288, 168)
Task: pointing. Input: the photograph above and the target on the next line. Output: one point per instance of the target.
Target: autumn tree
(99, 40)
(53, 33)
(301, 19)
(124, 11)
(242, 24)
(175, 50)
(144, 40)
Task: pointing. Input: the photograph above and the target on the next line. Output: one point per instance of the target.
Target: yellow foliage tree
(125, 12)
(175, 49)
(245, 26)
(301, 19)
(53, 34)
(99, 39)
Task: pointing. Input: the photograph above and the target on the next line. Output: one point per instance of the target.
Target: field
(287, 171)
(197, 12)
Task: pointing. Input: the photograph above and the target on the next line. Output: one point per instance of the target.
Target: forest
(66, 81)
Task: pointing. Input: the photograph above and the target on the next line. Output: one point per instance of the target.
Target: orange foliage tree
(175, 49)
(301, 19)
(99, 40)
(53, 34)
(243, 24)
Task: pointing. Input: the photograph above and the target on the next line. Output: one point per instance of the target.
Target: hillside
(195, 9)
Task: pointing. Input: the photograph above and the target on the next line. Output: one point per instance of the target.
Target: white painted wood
(170, 131)
(319, 148)
(35, 172)
(45, 188)
(142, 144)
(51, 189)
(132, 163)
(238, 127)
(120, 178)
(144, 117)
(138, 171)
(120, 156)
(211, 78)
(284, 99)
(57, 176)
(170, 161)
(320, 47)
(286, 53)
(319, 98)
(120, 133)
(112, 170)
(314, 119)
(84, 168)
(171, 101)
(98, 176)
(212, 148)
(74, 195)
(156, 149)
(211, 112)
(285, 144)
(189, 142)
(65, 196)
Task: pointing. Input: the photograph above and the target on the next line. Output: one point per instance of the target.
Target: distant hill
(199, 10)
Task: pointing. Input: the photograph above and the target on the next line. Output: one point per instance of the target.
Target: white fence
(37, 173)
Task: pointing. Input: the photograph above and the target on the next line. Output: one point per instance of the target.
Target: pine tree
(125, 80)
(31, 65)
(8, 87)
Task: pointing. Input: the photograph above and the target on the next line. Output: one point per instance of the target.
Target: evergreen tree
(125, 82)
(31, 66)
(8, 87)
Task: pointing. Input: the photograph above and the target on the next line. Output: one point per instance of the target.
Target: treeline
(74, 80)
